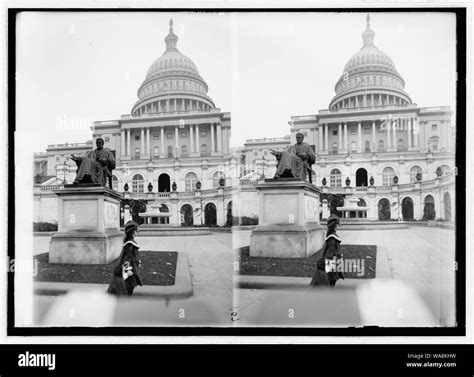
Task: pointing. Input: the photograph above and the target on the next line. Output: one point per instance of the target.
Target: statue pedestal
(88, 225)
(288, 220)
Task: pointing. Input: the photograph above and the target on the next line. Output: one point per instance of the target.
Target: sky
(77, 67)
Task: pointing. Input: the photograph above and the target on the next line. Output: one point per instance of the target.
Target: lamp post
(198, 187)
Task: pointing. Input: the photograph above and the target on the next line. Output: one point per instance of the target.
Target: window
(434, 127)
(137, 137)
(184, 149)
(353, 131)
(381, 145)
(366, 130)
(156, 136)
(334, 132)
(216, 177)
(334, 148)
(183, 135)
(114, 183)
(156, 151)
(434, 143)
(203, 133)
(414, 171)
(137, 183)
(170, 151)
(169, 135)
(353, 146)
(204, 148)
(137, 152)
(387, 176)
(335, 178)
(190, 181)
(367, 146)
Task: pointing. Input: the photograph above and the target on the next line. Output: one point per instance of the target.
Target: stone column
(128, 142)
(176, 142)
(191, 138)
(212, 137)
(359, 136)
(162, 137)
(326, 130)
(374, 136)
(122, 143)
(442, 135)
(148, 141)
(389, 126)
(415, 132)
(142, 141)
(394, 134)
(167, 105)
(198, 144)
(159, 106)
(320, 136)
(345, 137)
(409, 132)
(219, 137)
(339, 132)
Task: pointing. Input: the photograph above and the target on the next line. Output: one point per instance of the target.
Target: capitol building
(373, 144)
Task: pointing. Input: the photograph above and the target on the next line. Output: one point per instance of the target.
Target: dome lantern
(368, 35)
(171, 39)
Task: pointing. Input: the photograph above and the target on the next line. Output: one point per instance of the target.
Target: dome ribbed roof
(370, 69)
(172, 76)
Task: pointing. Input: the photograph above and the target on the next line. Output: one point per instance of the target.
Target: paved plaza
(421, 257)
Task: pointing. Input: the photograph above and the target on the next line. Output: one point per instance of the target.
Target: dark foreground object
(305, 267)
(158, 268)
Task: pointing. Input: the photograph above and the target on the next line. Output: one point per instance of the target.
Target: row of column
(382, 100)
(194, 130)
(170, 105)
(391, 126)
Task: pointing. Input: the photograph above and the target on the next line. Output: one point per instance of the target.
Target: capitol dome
(370, 79)
(172, 84)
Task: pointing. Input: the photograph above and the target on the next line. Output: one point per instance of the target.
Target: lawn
(158, 268)
(365, 255)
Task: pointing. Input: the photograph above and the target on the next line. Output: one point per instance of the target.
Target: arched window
(387, 176)
(137, 153)
(381, 145)
(137, 183)
(334, 148)
(156, 151)
(216, 177)
(434, 143)
(114, 183)
(190, 181)
(445, 169)
(414, 171)
(367, 146)
(353, 146)
(335, 178)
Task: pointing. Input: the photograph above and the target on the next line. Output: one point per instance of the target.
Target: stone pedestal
(288, 220)
(88, 225)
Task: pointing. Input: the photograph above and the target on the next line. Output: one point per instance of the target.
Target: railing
(186, 194)
(163, 194)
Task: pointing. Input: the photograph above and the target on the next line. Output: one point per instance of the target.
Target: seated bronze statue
(96, 166)
(296, 160)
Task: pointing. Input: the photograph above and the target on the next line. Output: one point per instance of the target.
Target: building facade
(374, 139)
(372, 143)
